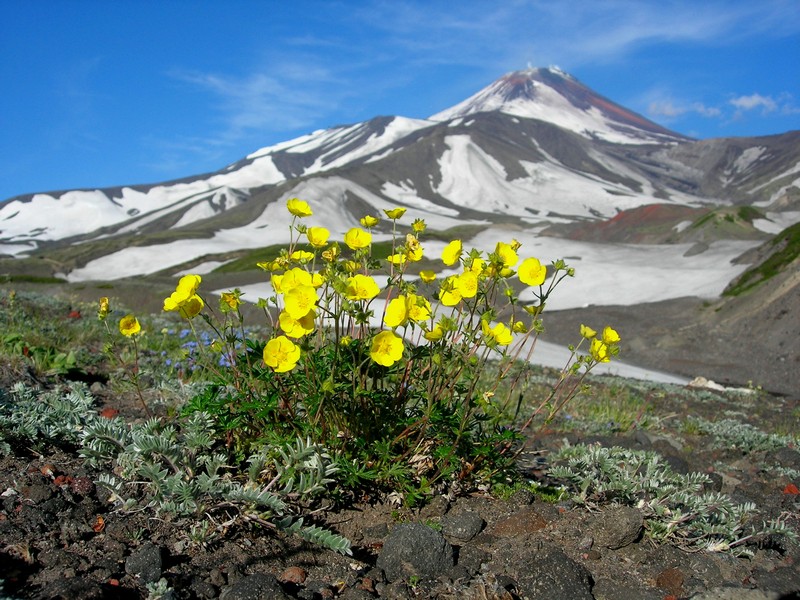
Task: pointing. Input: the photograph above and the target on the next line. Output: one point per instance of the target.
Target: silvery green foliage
(318, 535)
(181, 474)
(675, 507)
(303, 469)
(159, 590)
(742, 436)
(37, 416)
(173, 464)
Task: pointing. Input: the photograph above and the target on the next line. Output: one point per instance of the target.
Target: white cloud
(753, 101)
(669, 109)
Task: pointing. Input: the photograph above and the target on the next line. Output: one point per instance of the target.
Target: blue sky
(99, 93)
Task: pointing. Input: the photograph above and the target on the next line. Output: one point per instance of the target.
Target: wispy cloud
(754, 101)
(283, 98)
(572, 33)
(670, 109)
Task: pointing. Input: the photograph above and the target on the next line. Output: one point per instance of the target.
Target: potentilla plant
(379, 361)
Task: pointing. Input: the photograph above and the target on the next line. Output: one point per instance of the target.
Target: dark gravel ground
(61, 539)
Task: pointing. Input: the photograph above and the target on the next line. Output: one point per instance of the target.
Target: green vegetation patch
(785, 249)
(30, 279)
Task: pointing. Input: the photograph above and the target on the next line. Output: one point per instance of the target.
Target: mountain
(535, 150)
(557, 97)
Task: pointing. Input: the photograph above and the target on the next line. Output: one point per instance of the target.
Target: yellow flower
(129, 325)
(427, 276)
(192, 307)
(395, 213)
(413, 248)
(297, 328)
(418, 226)
(599, 351)
(387, 348)
(276, 281)
(532, 272)
(467, 284)
(302, 256)
(357, 238)
(519, 327)
(317, 236)
(185, 299)
(451, 252)
(403, 309)
(186, 288)
(361, 287)
(499, 335)
(414, 255)
(506, 253)
(476, 266)
(610, 336)
(331, 253)
(448, 292)
(397, 259)
(300, 300)
(351, 266)
(230, 300)
(435, 334)
(281, 354)
(104, 309)
(419, 309)
(293, 278)
(396, 312)
(587, 332)
(268, 265)
(299, 208)
(317, 279)
(369, 221)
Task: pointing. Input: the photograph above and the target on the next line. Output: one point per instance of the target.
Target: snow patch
(406, 194)
(748, 157)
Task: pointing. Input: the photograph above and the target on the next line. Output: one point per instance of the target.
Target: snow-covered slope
(556, 97)
(534, 148)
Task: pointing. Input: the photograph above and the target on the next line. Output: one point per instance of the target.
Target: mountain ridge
(480, 166)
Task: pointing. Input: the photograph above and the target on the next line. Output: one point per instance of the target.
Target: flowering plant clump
(379, 361)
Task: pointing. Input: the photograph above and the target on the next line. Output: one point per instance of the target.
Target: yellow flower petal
(506, 254)
(369, 221)
(317, 236)
(395, 213)
(129, 326)
(396, 312)
(532, 272)
(427, 276)
(298, 208)
(300, 300)
(467, 284)
(435, 334)
(357, 238)
(361, 287)
(297, 328)
(281, 354)
(610, 336)
(599, 351)
(451, 252)
(387, 348)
